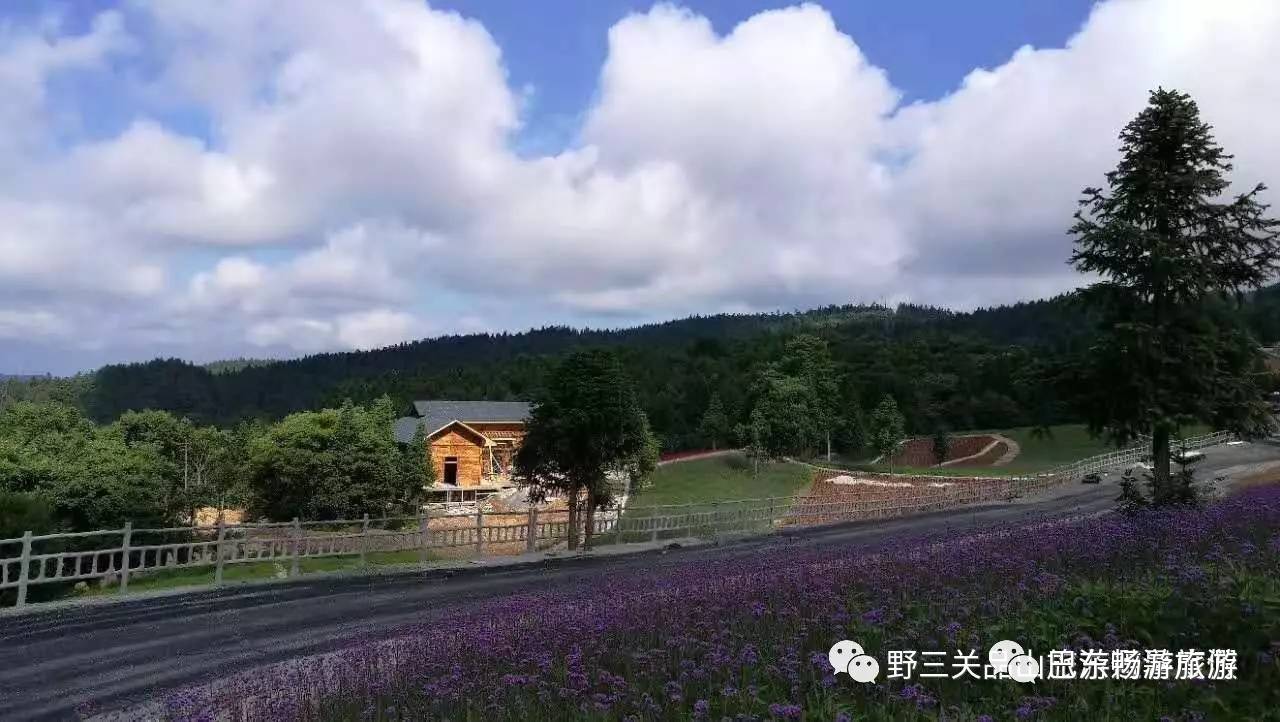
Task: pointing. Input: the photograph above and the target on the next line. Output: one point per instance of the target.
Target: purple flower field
(747, 639)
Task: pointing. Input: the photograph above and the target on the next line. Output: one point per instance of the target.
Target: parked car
(1176, 456)
(1189, 456)
(1138, 468)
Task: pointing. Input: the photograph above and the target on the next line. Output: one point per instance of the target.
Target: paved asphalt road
(110, 656)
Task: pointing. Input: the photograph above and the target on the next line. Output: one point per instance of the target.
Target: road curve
(57, 664)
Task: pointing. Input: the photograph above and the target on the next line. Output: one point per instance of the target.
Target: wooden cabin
(473, 443)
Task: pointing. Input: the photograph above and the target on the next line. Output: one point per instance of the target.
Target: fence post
(479, 529)
(424, 541)
(217, 550)
(617, 526)
(124, 557)
(364, 541)
(294, 550)
(653, 524)
(23, 572)
(531, 541)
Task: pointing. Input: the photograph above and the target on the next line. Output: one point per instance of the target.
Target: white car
(1175, 457)
(1187, 457)
(1138, 468)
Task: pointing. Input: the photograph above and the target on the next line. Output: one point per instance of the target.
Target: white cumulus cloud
(351, 178)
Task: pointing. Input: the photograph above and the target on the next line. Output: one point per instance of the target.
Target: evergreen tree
(715, 423)
(752, 439)
(941, 443)
(1170, 253)
(417, 466)
(587, 425)
(888, 429)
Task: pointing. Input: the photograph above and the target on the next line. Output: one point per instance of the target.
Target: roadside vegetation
(239, 573)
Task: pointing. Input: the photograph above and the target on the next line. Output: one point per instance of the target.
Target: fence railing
(119, 555)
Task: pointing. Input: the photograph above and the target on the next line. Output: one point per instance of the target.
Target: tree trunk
(1160, 462)
(573, 517)
(589, 531)
(828, 444)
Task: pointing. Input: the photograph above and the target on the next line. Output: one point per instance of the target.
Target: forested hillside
(963, 370)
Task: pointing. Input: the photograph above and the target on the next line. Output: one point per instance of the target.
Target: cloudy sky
(212, 180)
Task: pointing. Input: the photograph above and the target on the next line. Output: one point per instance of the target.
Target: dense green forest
(976, 369)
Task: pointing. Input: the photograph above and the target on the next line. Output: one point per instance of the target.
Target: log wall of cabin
(469, 451)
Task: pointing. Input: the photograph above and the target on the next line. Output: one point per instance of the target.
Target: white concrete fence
(36, 559)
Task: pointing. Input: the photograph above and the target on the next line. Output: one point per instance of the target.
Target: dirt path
(1011, 452)
(1009, 455)
(700, 455)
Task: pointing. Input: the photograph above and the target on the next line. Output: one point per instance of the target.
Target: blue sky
(558, 46)
(272, 179)
(927, 46)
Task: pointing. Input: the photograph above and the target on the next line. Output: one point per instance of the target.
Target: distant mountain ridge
(677, 364)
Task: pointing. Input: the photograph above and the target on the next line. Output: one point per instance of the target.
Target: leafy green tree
(230, 481)
(169, 437)
(207, 467)
(22, 512)
(784, 415)
(198, 462)
(1170, 253)
(416, 464)
(111, 482)
(851, 428)
(715, 423)
(888, 429)
(807, 358)
(331, 464)
(89, 476)
(752, 439)
(39, 443)
(44, 389)
(585, 425)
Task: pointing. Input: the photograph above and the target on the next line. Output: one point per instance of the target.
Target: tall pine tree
(1170, 253)
(586, 425)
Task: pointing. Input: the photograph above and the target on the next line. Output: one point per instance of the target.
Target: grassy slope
(719, 479)
(1066, 443)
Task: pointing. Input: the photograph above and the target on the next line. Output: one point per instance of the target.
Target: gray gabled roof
(432, 415)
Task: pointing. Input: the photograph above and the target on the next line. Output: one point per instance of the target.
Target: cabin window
(451, 470)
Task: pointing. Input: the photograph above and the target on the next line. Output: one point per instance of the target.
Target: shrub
(20, 513)
(737, 462)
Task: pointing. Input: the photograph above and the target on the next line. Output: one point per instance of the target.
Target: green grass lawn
(721, 478)
(245, 572)
(1067, 443)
